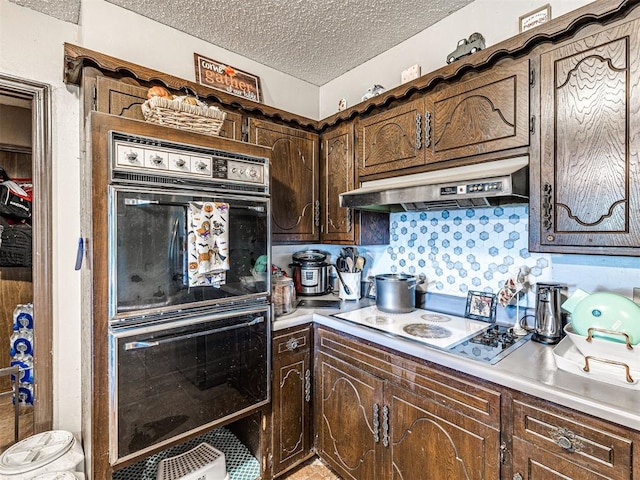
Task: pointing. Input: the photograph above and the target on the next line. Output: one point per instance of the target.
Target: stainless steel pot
(395, 292)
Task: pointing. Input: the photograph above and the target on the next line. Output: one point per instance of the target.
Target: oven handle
(155, 343)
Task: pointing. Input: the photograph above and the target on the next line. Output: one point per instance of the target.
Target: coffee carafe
(549, 320)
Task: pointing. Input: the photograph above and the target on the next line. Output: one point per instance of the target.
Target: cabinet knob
(517, 476)
(292, 344)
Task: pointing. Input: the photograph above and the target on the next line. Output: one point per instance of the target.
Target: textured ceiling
(313, 40)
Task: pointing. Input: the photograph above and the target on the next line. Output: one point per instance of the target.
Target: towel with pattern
(208, 243)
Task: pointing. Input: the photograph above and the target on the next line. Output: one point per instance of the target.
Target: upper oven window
(150, 233)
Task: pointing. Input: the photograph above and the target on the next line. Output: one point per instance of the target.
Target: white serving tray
(569, 359)
(603, 348)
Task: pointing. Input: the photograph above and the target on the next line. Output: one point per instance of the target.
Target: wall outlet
(636, 295)
(410, 73)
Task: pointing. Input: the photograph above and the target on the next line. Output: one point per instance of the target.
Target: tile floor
(314, 469)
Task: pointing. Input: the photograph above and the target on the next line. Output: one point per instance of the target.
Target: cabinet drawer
(292, 340)
(586, 441)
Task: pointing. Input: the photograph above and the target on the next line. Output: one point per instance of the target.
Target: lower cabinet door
(291, 399)
(349, 419)
(431, 442)
(534, 463)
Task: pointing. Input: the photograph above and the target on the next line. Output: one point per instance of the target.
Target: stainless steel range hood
(498, 182)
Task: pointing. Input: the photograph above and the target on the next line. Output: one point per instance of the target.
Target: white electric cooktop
(432, 328)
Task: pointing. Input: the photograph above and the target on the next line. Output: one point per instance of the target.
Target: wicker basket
(176, 114)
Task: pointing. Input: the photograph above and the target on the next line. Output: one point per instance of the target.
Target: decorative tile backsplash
(461, 250)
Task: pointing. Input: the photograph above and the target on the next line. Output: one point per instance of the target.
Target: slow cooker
(310, 272)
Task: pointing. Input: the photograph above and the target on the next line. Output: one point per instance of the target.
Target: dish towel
(208, 243)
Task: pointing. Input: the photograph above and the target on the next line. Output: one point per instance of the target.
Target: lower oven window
(174, 380)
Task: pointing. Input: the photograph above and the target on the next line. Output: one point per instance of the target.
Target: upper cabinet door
(338, 176)
(124, 100)
(295, 202)
(588, 197)
(391, 140)
(487, 113)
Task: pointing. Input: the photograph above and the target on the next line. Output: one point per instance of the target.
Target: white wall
(496, 20)
(120, 33)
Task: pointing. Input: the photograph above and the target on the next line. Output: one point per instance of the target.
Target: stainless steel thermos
(549, 320)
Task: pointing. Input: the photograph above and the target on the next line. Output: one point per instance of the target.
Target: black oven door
(150, 237)
(173, 380)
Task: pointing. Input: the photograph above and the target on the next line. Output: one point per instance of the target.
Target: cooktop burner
(492, 345)
(470, 338)
(423, 330)
(379, 320)
(435, 317)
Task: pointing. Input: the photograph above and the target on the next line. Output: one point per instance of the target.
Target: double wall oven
(188, 305)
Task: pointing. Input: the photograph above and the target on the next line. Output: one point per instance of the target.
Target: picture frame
(534, 18)
(481, 306)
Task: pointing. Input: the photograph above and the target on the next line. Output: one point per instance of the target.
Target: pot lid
(395, 277)
(35, 451)
(309, 256)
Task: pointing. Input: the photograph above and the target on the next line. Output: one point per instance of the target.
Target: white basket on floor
(201, 462)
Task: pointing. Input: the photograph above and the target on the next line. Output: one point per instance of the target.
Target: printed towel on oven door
(208, 243)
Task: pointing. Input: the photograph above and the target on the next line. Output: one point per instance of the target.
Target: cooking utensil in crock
(347, 290)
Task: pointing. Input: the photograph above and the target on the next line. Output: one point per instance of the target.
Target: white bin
(56, 452)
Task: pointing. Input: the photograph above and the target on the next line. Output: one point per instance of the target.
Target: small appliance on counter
(549, 319)
(310, 272)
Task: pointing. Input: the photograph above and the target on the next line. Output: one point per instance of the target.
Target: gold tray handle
(610, 332)
(610, 362)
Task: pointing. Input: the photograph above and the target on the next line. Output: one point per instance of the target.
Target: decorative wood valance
(601, 11)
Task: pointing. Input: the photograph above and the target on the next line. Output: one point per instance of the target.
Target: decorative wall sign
(537, 17)
(226, 78)
(481, 306)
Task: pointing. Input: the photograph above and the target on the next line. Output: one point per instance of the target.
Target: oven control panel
(139, 155)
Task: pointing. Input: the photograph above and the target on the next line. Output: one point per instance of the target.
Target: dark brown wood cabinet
(391, 141)
(585, 189)
(295, 195)
(484, 113)
(338, 176)
(341, 225)
(122, 99)
(350, 414)
(291, 398)
(382, 416)
(552, 442)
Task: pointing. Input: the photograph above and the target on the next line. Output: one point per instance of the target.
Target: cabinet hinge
(307, 386)
(532, 77)
(245, 132)
(532, 125)
(94, 98)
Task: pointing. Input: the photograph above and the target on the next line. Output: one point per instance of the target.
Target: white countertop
(529, 369)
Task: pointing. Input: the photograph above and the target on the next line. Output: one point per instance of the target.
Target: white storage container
(47, 452)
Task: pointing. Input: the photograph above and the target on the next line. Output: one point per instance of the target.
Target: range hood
(499, 182)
